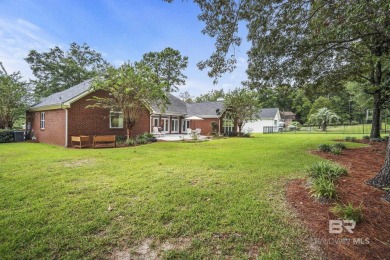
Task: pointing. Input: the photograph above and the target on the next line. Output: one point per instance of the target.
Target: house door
(175, 125)
(165, 124)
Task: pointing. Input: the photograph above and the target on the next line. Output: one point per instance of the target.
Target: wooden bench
(82, 141)
(104, 139)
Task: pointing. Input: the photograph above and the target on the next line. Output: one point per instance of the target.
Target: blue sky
(120, 30)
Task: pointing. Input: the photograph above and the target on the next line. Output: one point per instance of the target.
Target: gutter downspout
(66, 127)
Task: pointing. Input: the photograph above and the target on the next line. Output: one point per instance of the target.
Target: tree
(186, 97)
(323, 117)
(131, 88)
(319, 103)
(212, 95)
(13, 98)
(168, 66)
(301, 105)
(382, 180)
(57, 70)
(242, 105)
(324, 43)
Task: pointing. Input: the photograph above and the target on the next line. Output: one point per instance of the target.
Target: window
(175, 125)
(156, 121)
(184, 125)
(43, 120)
(116, 119)
(275, 122)
(227, 124)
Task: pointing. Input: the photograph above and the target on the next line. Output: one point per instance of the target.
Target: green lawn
(222, 198)
(362, 129)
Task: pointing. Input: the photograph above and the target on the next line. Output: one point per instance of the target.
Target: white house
(268, 122)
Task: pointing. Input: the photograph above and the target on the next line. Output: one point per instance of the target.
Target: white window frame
(166, 124)
(43, 120)
(185, 124)
(156, 119)
(175, 127)
(115, 112)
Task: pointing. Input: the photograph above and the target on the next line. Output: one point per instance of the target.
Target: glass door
(165, 124)
(174, 125)
(184, 125)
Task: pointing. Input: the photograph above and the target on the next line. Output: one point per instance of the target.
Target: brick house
(64, 114)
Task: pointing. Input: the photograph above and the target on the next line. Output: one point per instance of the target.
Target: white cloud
(17, 38)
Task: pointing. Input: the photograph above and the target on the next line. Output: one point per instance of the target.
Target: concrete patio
(177, 137)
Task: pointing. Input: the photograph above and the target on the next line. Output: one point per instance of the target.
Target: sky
(120, 30)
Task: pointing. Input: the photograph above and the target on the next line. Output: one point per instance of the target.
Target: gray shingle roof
(63, 96)
(204, 109)
(267, 113)
(177, 106)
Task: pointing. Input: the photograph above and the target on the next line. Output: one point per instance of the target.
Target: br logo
(337, 226)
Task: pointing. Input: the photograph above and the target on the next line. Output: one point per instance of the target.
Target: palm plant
(323, 117)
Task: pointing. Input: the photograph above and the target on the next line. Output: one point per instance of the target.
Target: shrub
(130, 142)
(120, 139)
(366, 137)
(327, 170)
(6, 136)
(323, 188)
(386, 138)
(141, 139)
(324, 148)
(336, 150)
(348, 212)
(350, 139)
(340, 145)
(376, 140)
(148, 135)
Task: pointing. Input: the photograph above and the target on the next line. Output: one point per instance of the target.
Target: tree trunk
(376, 115)
(382, 179)
(128, 133)
(323, 126)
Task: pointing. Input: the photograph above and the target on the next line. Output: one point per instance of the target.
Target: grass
(226, 196)
(362, 129)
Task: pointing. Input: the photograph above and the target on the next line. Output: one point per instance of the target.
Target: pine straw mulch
(374, 230)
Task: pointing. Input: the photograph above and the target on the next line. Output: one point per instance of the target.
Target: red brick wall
(204, 125)
(95, 121)
(54, 132)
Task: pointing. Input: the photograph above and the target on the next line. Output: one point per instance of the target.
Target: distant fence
(364, 129)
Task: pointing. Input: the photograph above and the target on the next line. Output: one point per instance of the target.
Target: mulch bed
(370, 238)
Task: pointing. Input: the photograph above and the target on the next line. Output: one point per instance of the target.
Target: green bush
(141, 139)
(376, 140)
(323, 188)
(348, 212)
(148, 135)
(340, 145)
(6, 136)
(350, 139)
(366, 137)
(327, 170)
(335, 150)
(120, 139)
(130, 142)
(386, 138)
(324, 148)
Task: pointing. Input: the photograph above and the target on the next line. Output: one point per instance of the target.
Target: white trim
(109, 120)
(42, 121)
(66, 127)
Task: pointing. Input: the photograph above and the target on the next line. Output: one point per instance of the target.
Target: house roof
(176, 107)
(62, 99)
(268, 113)
(205, 109)
(287, 113)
